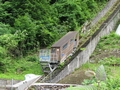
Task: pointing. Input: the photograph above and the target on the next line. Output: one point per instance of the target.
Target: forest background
(28, 25)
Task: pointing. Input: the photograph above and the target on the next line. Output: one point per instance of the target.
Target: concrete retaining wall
(83, 56)
(8, 82)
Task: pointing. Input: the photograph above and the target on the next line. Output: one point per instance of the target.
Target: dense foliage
(40, 22)
(27, 25)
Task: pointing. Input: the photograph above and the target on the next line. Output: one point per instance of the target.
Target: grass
(108, 43)
(113, 71)
(12, 76)
(109, 58)
(18, 68)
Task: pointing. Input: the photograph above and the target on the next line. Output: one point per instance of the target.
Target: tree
(73, 13)
(5, 29)
(26, 32)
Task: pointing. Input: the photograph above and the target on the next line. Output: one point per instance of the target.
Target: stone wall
(82, 57)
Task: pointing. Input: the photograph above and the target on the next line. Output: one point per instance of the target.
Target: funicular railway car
(59, 51)
(64, 46)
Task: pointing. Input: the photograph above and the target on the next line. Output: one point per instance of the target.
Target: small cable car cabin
(64, 46)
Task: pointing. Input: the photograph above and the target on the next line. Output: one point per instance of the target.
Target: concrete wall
(8, 82)
(4, 83)
(83, 56)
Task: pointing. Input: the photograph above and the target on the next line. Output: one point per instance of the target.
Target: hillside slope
(107, 53)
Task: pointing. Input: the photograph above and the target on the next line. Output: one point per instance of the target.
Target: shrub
(32, 58)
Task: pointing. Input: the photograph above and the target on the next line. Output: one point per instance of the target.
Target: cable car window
(65, 46)
(53, 50)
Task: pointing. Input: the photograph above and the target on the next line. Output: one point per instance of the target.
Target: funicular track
(110, 13)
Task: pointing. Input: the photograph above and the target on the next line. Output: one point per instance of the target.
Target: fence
(82, 57)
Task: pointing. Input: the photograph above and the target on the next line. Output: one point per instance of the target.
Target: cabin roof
(65, 39)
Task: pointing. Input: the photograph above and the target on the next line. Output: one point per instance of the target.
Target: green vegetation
(100, 76)
(108, 50)
(17, 68)
(108, 45)
(26, 26)
(105, 42)
(102, 81)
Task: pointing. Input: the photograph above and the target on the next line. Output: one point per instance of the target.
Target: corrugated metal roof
(65, 39)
